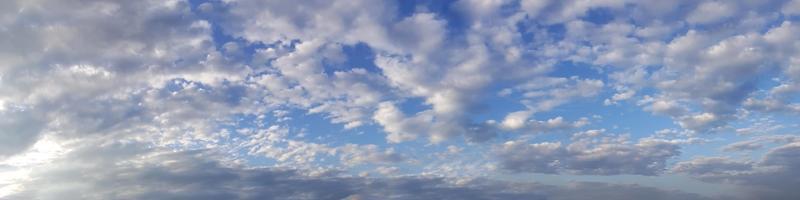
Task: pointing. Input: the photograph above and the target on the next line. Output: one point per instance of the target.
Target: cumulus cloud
(399, 127)
(81, 74)
(519, 121)
(700, 72)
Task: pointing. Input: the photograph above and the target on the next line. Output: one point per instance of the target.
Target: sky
(399, 99)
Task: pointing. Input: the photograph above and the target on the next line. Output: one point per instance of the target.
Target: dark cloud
(103, 170)
(609, 156)
(773, 177)
(19, 129)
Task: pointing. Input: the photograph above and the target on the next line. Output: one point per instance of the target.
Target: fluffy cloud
(80, 74)
(704, 72)
(451, 75)
(399, 127)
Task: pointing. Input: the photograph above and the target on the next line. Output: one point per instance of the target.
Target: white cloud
(399, 127)
(711, 12)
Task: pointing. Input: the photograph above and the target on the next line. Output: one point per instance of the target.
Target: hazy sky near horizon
(399, 99)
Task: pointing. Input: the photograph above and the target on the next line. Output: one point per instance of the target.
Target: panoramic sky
(400, 99)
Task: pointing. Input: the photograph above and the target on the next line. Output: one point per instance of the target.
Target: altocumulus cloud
(467, 99)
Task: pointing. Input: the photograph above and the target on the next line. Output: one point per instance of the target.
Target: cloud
(358, 154)
(19, 129)
(758, 142)
(711, 12)
(78, 74)
(791, 7)
(167, 99)
(589, 153)
(711, 167)
(450, 75)
(399, 127)
(275, 142)
(771, 177)
(547, 93)
(133, 171)
(517, 121)
(719, 84)
(700, 69)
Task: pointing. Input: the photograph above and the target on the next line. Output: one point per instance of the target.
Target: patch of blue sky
(407, 8)
(446, 10)
(356, 56)
(534, 32)
(413, 105)
(793, 18)
(582, 70)
(776, 21)
(318, 128)
(599, 16)
(625, 116)
(495, 107)
(361, 56)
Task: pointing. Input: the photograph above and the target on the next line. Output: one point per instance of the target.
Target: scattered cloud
(249, 99)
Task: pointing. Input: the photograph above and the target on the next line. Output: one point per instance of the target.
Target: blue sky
(480, 99)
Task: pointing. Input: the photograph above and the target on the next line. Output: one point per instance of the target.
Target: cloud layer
(248, 99)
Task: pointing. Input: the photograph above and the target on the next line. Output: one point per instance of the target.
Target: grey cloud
(607, 156)
(742, 146)
(134, 171)
(358, 154)
(19, 129)
(759, 142)
(711, 168)
(705, 63)
(772, 177)
(276, 143)
(784, 156)
(89, 67)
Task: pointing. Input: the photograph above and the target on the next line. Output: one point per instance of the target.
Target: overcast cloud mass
(400, 99)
